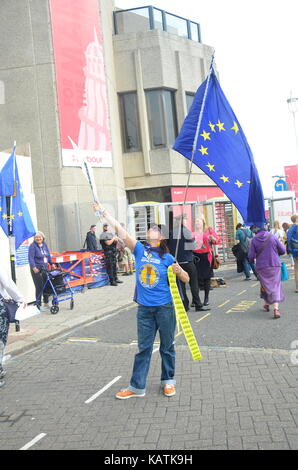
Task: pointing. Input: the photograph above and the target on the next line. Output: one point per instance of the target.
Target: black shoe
(2, 383)
(201, 308)
(206, 302)
(2, 373)
(193, 304)
(113, 284)
(118, 281)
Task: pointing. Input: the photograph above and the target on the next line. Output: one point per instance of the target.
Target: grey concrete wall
(169, 61)
(30, 115)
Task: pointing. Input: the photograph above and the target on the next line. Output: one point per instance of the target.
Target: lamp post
(293, 108)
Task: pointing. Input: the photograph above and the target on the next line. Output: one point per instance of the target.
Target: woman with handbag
(204, 238)
(8, 290)
(265, 248)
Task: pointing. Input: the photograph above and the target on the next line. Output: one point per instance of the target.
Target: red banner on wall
(291, 173)
(81, 82)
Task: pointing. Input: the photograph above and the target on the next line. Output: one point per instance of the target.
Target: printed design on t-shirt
(148, 276)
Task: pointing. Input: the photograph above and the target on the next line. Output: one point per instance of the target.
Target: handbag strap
(264, 246)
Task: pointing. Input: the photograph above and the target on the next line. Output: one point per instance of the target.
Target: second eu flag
(222, 151)
(17, 216)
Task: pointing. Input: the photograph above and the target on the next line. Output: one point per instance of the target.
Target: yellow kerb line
(202, 318)
(226, 302)
(242, 292)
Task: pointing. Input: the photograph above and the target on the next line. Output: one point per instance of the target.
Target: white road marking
(103, 389)
(34, 441)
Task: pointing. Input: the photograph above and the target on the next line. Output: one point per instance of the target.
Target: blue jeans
(247, 266)
(149, 321)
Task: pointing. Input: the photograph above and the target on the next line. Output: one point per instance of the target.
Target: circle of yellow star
(211, 167)
(20, 214)
(220, 126)
(238, 183)
(4, 216)
(212, 126)
(206, 135)
(235, 127)
(225, 178)
(203, 150)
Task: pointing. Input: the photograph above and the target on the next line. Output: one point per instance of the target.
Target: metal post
(12, 248)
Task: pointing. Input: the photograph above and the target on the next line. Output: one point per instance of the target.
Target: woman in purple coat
(265, 248)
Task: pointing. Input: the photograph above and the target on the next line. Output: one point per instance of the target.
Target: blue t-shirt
(152, 287)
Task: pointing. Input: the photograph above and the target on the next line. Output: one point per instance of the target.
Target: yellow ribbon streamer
(182, 318)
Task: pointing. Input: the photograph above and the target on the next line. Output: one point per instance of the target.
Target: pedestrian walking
(155, 307)
(286, 227)
(182, 236)
(277, 231)
(39, 260)
(8, 290)
(205, 239)
(244, 236)
(265, 248)
(292, 244)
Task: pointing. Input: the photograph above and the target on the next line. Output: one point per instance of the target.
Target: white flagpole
(87, 172)
(194, 150)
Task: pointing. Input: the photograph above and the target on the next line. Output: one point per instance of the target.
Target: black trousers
(190, 268)
(111, 265)
(39, 280)
(204, 273)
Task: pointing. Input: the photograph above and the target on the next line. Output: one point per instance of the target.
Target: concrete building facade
(147, 72)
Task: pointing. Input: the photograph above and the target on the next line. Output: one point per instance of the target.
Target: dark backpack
(293, 242)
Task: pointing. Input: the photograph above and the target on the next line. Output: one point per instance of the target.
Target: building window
(162, 117)
(189, 100)
(130, 122)
(132, 21)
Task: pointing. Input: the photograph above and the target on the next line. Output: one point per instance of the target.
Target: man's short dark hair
(91, 226)
(238, 226)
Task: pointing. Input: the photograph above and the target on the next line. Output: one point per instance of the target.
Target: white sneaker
(43, 308)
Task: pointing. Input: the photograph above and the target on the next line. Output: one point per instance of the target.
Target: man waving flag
(220, 149)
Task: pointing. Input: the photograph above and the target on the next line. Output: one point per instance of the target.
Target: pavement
(90, 305)
(236, 398)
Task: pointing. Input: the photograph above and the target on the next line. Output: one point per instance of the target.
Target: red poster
(291, 173)
(81, 82)
(194, 194)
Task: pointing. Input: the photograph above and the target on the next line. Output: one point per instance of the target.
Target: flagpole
(11, 238)
(194, 149)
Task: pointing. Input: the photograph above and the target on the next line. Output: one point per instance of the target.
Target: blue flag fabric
(7, 176)
(20, 220)
(222, 151)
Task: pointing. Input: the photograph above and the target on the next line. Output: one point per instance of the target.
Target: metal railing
(148, 17)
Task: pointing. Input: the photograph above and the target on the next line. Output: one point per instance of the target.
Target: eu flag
(17, 216)
(7, 179)
(222, 151)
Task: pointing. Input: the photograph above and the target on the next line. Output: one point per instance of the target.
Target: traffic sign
(281, 185)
